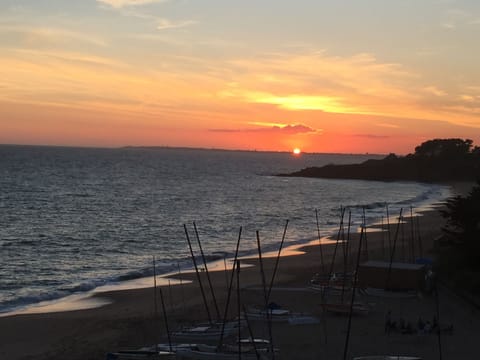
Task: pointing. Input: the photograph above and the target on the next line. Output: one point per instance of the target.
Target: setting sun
(297, 151)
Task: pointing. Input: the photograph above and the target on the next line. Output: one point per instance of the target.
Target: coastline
(52, 249)
(129, 321)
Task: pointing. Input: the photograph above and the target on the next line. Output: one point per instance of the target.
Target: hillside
(437, 160)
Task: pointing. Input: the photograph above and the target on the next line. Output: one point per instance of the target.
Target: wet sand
(129, 320)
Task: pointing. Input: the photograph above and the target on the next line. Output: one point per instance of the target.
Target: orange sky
(351, 79)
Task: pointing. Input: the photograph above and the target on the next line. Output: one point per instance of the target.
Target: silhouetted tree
(444, 148)
(433, 161)
(463, 226)
(476, 151)
(391, 157)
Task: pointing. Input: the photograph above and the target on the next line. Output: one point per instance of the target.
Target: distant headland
(437, 160)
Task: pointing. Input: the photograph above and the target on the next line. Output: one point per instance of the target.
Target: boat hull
(387, 357)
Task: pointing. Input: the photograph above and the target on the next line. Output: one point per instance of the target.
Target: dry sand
(129, 321)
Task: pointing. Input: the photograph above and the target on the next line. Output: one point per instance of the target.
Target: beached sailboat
(331, 289)
(387, 357)
(377, 292)
(279, 315)
(249, 349)
(205, 352)
(245, 349)
(387, 287)
(211, 331)
(273, 311)
(345, 308)
(337, 278)
(333, 283)
(208, 332)
(140, 354)
(150, 353)
(340, 283)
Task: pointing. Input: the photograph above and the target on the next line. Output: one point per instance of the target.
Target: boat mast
(198, 274)
(277, 260)
(412, 234)
(437, 303)
(388, 229)
(164, 310)
(251, 333)
(220, 342)
(364, 224)
(155, 298)
(345, 256)
(239, 311)
(345, 350)
(383, 239)
(206, 271)
(319, 243)
(392, 255)
(262, 271)
(420, 247)
(332, 264)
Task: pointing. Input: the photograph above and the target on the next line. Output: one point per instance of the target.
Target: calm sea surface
(73, 219)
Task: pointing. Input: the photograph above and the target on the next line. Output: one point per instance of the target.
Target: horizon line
(153, 147)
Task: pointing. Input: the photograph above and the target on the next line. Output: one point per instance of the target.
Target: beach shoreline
(128, 319)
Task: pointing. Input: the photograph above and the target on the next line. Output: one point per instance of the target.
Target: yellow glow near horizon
(297, 151)
(303, 102)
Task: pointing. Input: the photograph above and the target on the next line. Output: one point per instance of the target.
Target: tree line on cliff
(436, 160)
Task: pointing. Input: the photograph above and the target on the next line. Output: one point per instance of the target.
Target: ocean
(74, 219)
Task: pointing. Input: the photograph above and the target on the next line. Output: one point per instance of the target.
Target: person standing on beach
(388, 322)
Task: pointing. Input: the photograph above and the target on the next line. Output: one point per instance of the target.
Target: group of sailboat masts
(222, 322)
(415, 236)
(222, 325)
(392, 248)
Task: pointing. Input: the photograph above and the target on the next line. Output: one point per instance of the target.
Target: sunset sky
(375, 76)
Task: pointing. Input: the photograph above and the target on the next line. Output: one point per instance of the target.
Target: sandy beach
(129, 320)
